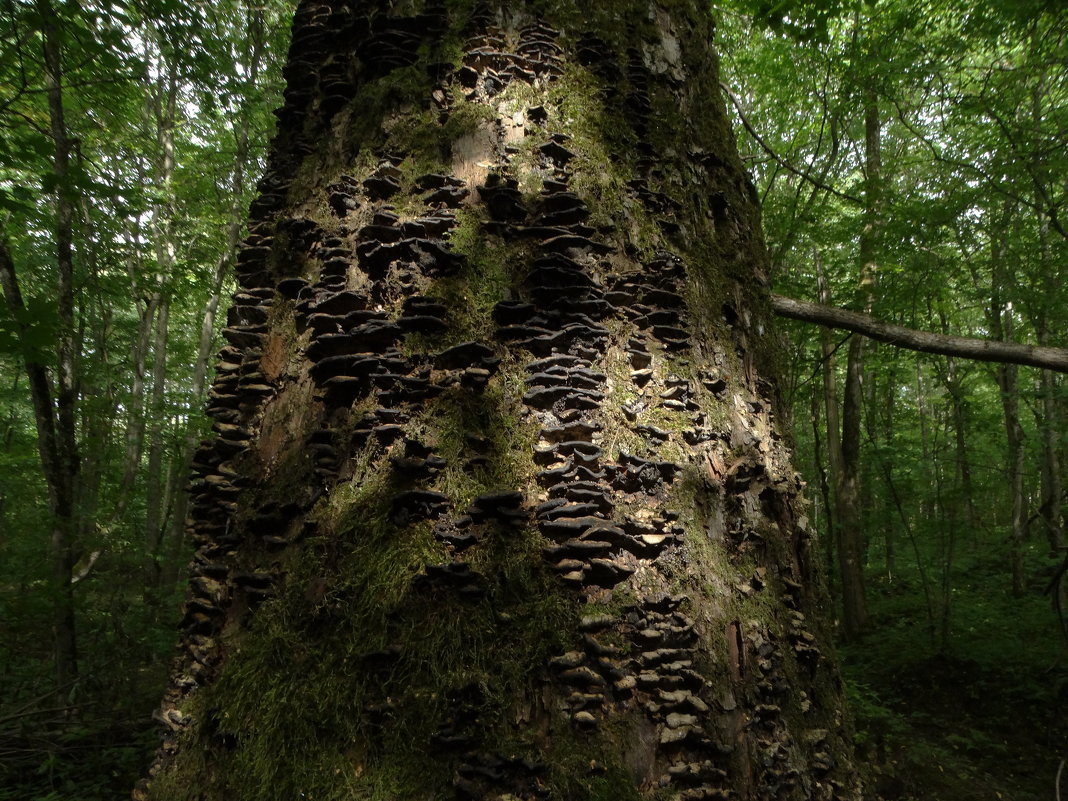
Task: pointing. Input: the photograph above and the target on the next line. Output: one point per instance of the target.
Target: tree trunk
(163, 241)
(482, 516)
(1049, 426)
(889, 526)
(1001, 326)
(958, 490)
(964, 465)
(63, 479)
(1048, 422)
(135, 408)
(848, 495)
(825, 497)
(834, 429)
(155, 480)
(1049, 508)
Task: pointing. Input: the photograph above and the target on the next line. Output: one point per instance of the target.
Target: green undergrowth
(984, 716)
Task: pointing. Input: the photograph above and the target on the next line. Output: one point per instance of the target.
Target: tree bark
(834, 428)
(1001, 325)
(164, 108)
(848, 497)
(889, 527)
(1049, 508)
(962, 491)
(155, 479)
(135, 408)
(1049, 426)
(825, 496)
(482, 516)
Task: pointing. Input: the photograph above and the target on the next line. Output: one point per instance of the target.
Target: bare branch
(986, 350)
(767, 149)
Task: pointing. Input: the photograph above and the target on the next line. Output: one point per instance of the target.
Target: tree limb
(964, 347)
(819, 184)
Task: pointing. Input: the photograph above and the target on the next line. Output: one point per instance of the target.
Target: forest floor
(951, 731)
(980, 715)
(987, 721)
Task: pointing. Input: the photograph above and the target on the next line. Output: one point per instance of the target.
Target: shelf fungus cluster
(370, 349)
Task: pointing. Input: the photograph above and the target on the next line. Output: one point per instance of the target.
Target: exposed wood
(985, 350)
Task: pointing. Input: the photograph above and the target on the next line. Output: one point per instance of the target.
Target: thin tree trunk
(65, 476)
(1048, 422)
(850, 544)
(155, 480)
(833, 427)
(165, 251)
(135, 407)
(1050, 508)
(1002, 327)
(1049, 279)
(825, 491)
(1007, 383)
(962, 491)
(95, 389)
(954, 383)
(147, 299)
(9, 434)
(889, 528)
(965, 466)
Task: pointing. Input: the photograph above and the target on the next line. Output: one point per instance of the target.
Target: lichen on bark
(514, 519)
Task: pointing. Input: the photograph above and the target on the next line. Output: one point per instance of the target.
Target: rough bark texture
(483, 519)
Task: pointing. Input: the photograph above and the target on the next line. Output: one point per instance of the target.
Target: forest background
(912, 162)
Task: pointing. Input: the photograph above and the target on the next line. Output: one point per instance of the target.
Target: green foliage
(958, 676)
(92, 739)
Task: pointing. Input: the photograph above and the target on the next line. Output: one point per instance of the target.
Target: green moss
(473, 293)
(293, 701)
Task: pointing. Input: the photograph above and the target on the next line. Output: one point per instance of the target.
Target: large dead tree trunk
(484, 517)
